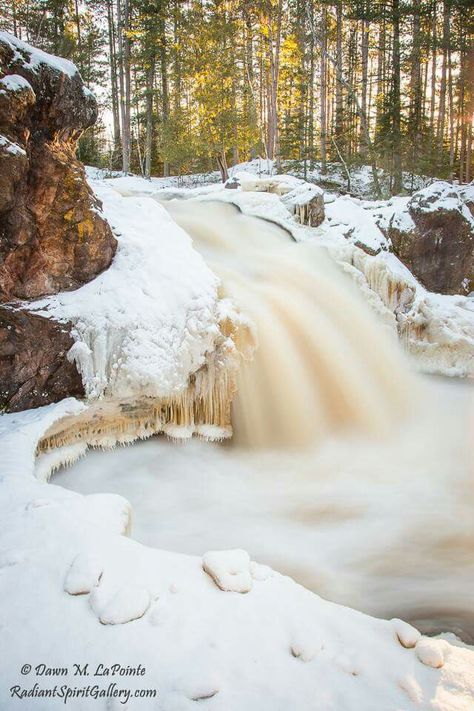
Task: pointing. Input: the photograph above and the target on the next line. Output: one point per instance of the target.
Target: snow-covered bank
(334, 179)
(276, 647)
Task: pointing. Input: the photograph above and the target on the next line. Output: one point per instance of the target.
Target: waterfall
(322, 361)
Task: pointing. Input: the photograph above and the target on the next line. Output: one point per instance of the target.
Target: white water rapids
(377, 510)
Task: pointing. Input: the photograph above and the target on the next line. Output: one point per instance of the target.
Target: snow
(440, 195)
(14, 82)
(278, 646)
(147, 322)
(32, 58)
(432, 652)
(11, 147)
(348, 216)
(408, 635)
(230, 570)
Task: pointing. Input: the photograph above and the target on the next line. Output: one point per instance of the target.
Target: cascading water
(383, 525)
(322, 361)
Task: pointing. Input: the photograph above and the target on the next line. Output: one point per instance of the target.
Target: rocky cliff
(52, 234)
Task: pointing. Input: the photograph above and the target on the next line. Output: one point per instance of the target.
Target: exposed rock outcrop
(34, 369)
(52, 234)
(436, 238)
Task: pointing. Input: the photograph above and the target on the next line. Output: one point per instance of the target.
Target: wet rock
(52, 234)
(34, 369)
(437, 243)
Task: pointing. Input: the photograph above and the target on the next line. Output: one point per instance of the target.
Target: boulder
(34, 369)
(52, 234)
(434, 237)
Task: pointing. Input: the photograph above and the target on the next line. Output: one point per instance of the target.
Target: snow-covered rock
(432, 232)
(230, 570)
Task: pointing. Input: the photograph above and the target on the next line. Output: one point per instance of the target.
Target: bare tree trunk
(339, 128)
(150, 77)
(113, 76)
(124, 77)
(165, 108)
(273, 41)
(442, 90)
(222, 163)
(396, 101)
(470, 112)
(323, 95)
(365, 65)
(451, 117)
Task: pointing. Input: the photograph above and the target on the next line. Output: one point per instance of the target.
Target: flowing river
(347, 471)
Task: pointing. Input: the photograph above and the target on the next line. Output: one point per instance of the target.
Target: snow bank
(83, 593)
(146, 323)
(349, 218)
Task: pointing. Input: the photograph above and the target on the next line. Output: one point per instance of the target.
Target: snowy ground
(335, 179)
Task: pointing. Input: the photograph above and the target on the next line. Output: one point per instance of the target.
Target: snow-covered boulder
(433, 234)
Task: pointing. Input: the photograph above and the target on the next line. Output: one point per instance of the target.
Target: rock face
(311, 213)
(52, 235)
(436, 238)
(34, 370)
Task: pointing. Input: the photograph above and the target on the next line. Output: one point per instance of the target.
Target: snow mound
(125, 605)
(432, 652)
(407, 635)
(230, 570)
(84, 573)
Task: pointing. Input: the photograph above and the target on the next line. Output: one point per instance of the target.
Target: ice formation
(156, 346)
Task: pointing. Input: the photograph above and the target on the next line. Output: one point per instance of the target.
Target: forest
(187, 86)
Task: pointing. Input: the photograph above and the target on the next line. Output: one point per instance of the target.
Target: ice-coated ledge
(143, 325)
(76, 590)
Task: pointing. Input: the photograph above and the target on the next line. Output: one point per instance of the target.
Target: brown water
(323, 362)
